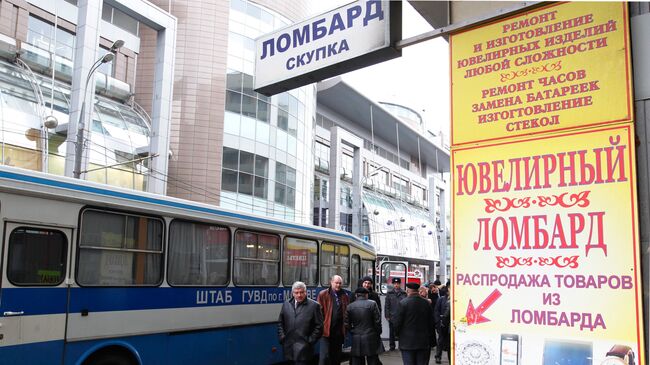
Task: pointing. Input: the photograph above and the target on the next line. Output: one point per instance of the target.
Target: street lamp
(78, 149)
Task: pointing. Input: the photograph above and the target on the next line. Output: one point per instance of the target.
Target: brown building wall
(196, 137)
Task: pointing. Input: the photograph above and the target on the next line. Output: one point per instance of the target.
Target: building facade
(229, 145)
(380, 177)
(52, 53)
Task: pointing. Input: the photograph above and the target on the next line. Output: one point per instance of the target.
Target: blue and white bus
(95, 275)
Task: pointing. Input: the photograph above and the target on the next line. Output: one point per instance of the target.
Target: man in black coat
(393, 297)
(363, 320)
(414, 325)
(433, 297)
(300, 325)
(442, 306)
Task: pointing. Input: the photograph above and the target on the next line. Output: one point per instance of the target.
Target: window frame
(284, 240)
(358, 273)
(234, 258)
(320, 263)
(65, 255)
(123, 212)
(228, 258)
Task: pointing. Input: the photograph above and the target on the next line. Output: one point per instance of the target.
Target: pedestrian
(424, 293)
(393, 297)
(300, 325)
(445, 325)
(367, 283)
(334, 302)
(441, 307)
(414, 325)
(434, 295)
(363, 320)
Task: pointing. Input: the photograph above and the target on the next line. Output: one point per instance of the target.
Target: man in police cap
(414, 324)
(393, 297)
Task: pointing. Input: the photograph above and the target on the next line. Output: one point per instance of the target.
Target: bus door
(390, 270)
(33, 293)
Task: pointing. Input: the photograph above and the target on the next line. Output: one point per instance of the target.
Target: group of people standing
(414, 321)
(419, 318)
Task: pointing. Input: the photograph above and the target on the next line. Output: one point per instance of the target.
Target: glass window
(36, 256)
(198, 254)
(280, 172)
(261, 166)
(233, 101)
(125, 22)
(40, 34)
(367, 268)
(400, 184)
(347, 164)
(345, 222)
(107, 13)
(249, 106)
(234, 80)
(280, 193)
(261, 187)
(248, 84)
(230, 158)
(246, 161)
(291, 177)
(257, 258)
(334, 261)
(291, 197)
(300, 261)
(283, 119)
(316, 188)
(245, 183)
(355, 270)
(229, 180)
(117, 249)
(263, 111)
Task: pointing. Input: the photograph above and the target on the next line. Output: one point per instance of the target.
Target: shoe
(392, 349)
(438, 361)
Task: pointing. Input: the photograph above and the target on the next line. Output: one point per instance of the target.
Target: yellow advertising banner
(546, 266)
(555, 68)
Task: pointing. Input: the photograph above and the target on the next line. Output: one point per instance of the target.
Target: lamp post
(78, 149)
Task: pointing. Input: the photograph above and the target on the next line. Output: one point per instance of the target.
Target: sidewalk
(395, 357)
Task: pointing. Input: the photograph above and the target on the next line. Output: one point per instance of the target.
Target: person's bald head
(336, 283)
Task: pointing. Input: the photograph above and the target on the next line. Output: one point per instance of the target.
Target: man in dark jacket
(300, 325)
(367, 283)
(434, 295)
(334, 302)
(414, 325)
(363, 320)
(393, 297)
(441, 307)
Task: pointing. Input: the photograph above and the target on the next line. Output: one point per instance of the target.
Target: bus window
(334, 261)
(118, 249)
(300, 261)
(198, 254)
(368, 268)
(355, 266)
(36, 256)
(257, 258)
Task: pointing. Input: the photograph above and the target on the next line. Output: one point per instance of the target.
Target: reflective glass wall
(267, 162)
(117, 133)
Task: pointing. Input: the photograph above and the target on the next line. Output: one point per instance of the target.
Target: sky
(419, 79)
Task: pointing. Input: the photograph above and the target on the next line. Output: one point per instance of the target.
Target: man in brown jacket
(334, 302)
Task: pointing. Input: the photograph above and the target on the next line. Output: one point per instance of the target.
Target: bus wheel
(111, 356)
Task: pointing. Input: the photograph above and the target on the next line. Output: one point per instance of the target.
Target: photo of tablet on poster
(558, 352)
